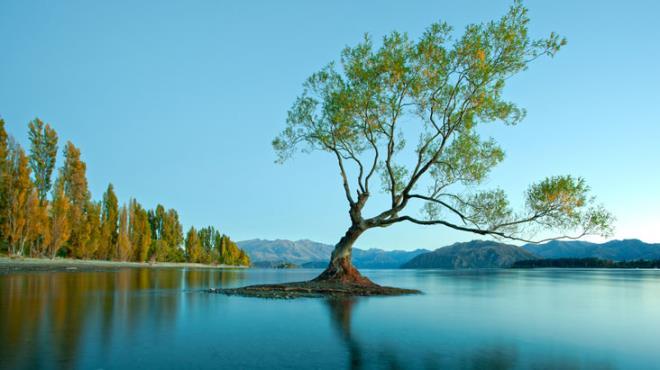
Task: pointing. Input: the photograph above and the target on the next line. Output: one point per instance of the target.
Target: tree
(441, 91)
(209, 237)
(59, 220)
(37, 230)
(193, 246)
(75, 187)
(139, 231)
(18, 189)
(4, 182)
(93, 229)
(230, 253)
(167, 235)
(124, 247)
(109, 224)
(43, 153)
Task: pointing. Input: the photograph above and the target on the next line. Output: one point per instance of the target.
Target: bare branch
(478, 231)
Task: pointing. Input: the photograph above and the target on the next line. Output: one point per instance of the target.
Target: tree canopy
(72, 224)
(440, 90)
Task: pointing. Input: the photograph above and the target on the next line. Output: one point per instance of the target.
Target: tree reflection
(47, 317)
(501, 355)
(340, 312)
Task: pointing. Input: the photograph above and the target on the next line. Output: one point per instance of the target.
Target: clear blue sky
(177, 103)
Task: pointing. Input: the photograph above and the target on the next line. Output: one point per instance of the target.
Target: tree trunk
(340, 270)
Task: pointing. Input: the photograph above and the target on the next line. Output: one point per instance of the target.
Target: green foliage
(563, 202)
(124, 247)
(43, 152)
(75, 226)
(4, 183)
(167, 235)
(442, 89)
(109, 224)
(139, 231)
(194, 251)
(220, 249)
(230, 254)
(18, 189)
(73, 174)
(93, 229)
(59, 226)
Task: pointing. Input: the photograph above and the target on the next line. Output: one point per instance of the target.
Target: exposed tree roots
(340, 279)
(313, 289)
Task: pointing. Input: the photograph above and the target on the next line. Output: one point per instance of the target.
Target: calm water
(500, 319)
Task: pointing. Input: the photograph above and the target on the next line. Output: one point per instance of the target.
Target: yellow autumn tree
(93, 230)
(18, 190)
(193, 246)
(139, 231)
(124, 248)
(73, 174)
(37, 233)
(4, 179)
(59, 220)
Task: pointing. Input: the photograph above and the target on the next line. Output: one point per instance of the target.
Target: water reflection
(341, 312)
(386, 357)
(161, 318)
(46, 315)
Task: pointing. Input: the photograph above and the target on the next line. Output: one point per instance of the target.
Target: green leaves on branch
(442, 89)
(467, 160)
(43, 153)
(559, 204)
(563, 203)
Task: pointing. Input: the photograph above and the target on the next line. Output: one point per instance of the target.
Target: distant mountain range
(474, 254)
(312, 254)
(298, 252)
(616, 250)
(469, 255)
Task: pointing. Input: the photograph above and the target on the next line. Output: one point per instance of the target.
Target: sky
(177, 102)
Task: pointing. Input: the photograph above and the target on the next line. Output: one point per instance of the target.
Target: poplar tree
(193, 246)
(38, 225)
(43, 153)
(4, 180)
(173, 235)
(75, 187)
(124, 248)
(230, 253)
(93, 225)
(167, 235)
(109, 224)
(139, 230)
(18, 191)
(60, 228)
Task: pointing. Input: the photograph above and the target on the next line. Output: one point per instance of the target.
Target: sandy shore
(16, 265)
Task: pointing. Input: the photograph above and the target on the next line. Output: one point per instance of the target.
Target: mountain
(312, 254)
(280, 250)
(616, 250)
(474, 254)
(379, 259)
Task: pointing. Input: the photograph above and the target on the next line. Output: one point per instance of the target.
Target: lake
(471, 319)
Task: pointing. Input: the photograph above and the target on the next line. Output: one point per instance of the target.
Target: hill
(615, 250)
(312, 254)
(586, 263)
(280, 250)
(474, 254)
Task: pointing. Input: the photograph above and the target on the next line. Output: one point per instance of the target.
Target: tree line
(42, 217)
(586, 263)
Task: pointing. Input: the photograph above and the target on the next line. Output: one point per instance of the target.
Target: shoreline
(10, 265)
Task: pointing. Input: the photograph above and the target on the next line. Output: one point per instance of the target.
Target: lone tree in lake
(438, 91)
